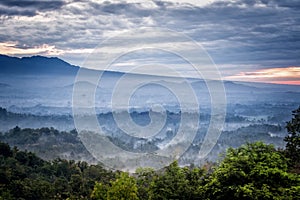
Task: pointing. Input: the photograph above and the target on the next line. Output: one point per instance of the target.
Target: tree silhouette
(293, 141)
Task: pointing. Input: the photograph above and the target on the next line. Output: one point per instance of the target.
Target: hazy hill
(35, 65)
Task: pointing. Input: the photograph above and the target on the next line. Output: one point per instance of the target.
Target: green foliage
(99, 191)
(293, 141)
(5, 150)
(252, 171)
(176, 183)
(23, 175)
(123, 188)
(47, 142)
(144, 178)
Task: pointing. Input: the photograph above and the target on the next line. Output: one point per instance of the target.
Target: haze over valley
(36, 92)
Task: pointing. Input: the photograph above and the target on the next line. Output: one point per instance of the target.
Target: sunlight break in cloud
(11, 48)
(289, 75)
(14, 49)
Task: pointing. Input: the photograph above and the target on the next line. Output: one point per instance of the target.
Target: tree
(123, 188)
(76, 184)
(172, 184)
(293, 141)
(5, 150)
(252, 171)
(100, 191)
(195, 177)
(144, 178)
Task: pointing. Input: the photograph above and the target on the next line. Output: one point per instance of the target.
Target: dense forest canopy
(251, 171)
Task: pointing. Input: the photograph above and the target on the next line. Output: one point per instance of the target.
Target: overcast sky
(253, 40)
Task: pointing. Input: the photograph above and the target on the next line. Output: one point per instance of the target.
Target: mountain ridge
(36, 65)
(41, 65)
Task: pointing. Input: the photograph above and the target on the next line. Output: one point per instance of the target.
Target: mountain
(39, 92)
(4, 85)
(36, 65)
(56, 69)
(40, 65)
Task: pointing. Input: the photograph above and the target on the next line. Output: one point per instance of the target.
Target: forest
(251, 171)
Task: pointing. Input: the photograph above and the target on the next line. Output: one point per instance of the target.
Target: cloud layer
(239, 35)
(28, 7)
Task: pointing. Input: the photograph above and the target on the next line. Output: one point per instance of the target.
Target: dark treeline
(48, 143)
(251, 171)
(23, 175)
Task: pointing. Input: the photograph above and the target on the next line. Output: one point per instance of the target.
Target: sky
(248, 40)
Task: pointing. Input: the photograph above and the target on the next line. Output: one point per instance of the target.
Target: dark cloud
(271, 3)
(122, 8)
(28, 7)
(244, 31)
(258, 32)
(4, 11)
(40, 5)
(294, 4)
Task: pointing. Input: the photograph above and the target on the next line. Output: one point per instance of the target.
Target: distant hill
(40, 65)
(36, 65)
(3, 85)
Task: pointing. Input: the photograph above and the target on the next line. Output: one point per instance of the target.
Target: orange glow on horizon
(287, 82)
(288, 75)
(11, 48)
